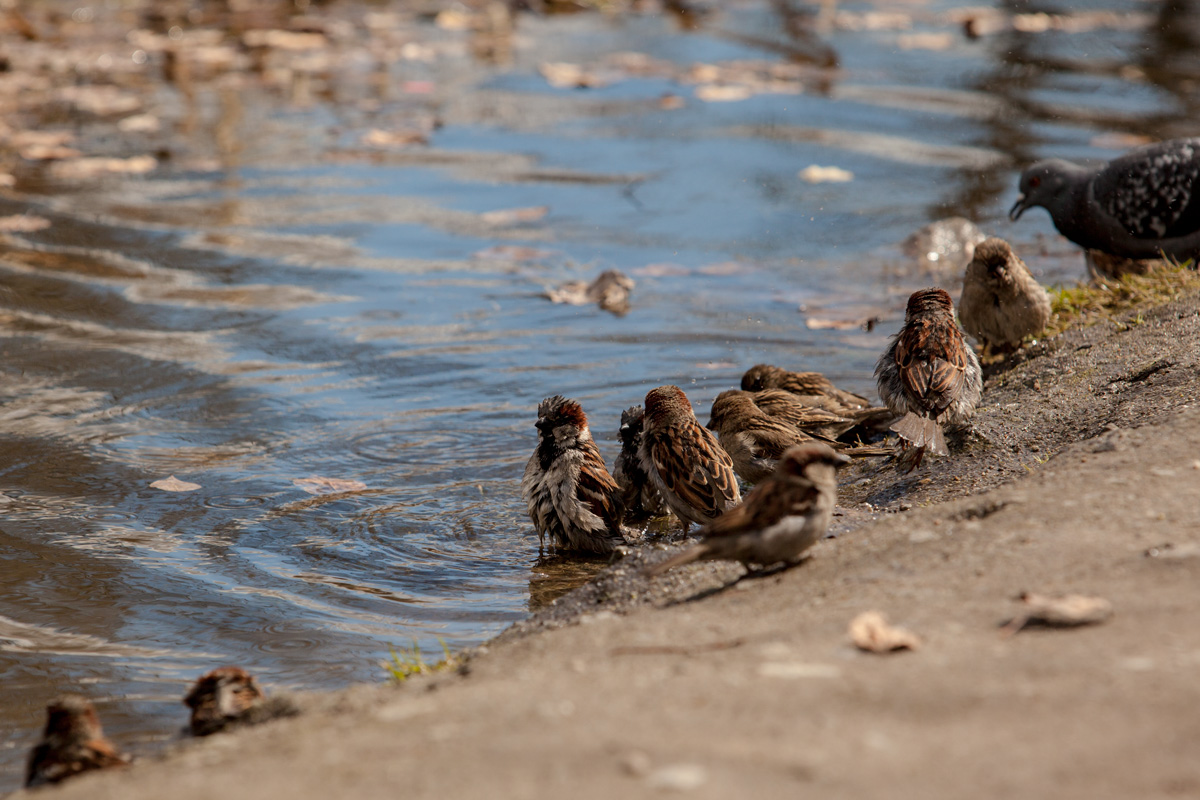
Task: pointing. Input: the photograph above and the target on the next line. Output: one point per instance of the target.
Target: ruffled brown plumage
(571, 497)
(928, 374)
(1001, 301)
(72, 743)
(692, 472)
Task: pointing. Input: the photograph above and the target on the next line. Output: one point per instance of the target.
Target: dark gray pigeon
(1139, 205)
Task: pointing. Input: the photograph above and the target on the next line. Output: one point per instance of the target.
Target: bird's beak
(1018, 208)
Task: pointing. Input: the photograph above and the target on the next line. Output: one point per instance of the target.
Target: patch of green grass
(406, 663)
(1088, 304)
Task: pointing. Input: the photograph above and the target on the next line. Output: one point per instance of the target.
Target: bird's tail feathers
(922, 432)
(686, 556)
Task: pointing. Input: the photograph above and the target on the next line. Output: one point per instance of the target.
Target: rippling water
(287, 303)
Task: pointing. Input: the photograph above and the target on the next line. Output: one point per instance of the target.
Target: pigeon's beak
(1018, 208)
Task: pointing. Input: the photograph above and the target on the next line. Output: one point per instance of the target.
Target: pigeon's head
(1042, 184)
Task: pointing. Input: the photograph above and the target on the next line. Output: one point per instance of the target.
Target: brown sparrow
(569, 493)
(638, 496)
(805, 384)
(928, 374)
(782, 517)
(753, 440)
(73, 742)
(229, 697)
(692, 473)
(1001, 302)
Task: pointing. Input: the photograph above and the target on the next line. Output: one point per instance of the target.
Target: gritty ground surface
(716, 687)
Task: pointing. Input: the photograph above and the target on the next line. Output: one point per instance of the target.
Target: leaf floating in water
(514, 216)
(817, 174)
(1067, 611)
(173, 484)
(23, 223)
(404, 138)
(715, 93)
(95, 167)
(317, 485)
(870, 631)
(562, 75)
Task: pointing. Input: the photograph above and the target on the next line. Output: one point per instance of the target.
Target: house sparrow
(610, 290)
(569, 493)
(753, 440)
(638, 496)
(229, 697)
(73, 742)
(928, 374)
(1001, 302)
(692, 473)
(806, 384)
(782, 517)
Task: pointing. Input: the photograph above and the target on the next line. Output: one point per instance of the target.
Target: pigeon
(1144, 204)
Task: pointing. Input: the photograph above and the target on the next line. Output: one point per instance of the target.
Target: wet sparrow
(1001, 302)
(928, 373)
(569, 493)
(691, 471)
(752, 439)
(73, 742)
(637, 493)
(229, 697)
(806, 384)
(782, 516)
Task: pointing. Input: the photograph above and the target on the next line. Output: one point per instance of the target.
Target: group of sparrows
(73, 741)
(783, 432)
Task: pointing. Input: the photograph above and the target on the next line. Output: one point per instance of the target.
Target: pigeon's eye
(1035, 182)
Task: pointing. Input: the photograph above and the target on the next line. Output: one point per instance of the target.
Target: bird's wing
(766, 504)
(1153, 192)
(701, 477)
(935, 379)
(597, 489)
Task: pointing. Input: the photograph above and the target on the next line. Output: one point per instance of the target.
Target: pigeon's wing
(1153, 192)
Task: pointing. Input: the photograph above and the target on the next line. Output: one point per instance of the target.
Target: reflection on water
(282, 307)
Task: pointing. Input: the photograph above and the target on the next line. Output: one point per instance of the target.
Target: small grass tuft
(407, 663)
(1082, 305)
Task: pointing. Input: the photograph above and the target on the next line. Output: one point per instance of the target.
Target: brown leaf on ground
(514, 216)
(173, 484)
(23, 223)
(318, 485)
(870, 631)
(1067, 611)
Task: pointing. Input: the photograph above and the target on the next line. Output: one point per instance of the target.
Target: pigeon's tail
(685, 556)
(922, 432)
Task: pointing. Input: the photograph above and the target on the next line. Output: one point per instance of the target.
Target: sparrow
(753, 440)
(782, 516)
(792, 409)
(814, 389)
(805, 384)
(928, 374)
(229, 697)
(570, 495)
(73, 742)
(637, 494)
(1001, 302)
(689, 468)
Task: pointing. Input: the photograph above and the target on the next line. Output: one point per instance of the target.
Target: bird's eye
(1035, 182)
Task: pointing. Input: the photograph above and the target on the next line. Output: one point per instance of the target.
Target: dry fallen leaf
(1061, 612)
(817, 174)
(173, 484)
(381, 138)
(514, 216)
(82, 168)
(316, 485)
(23, 223)
(713, 93)
(869, 631)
